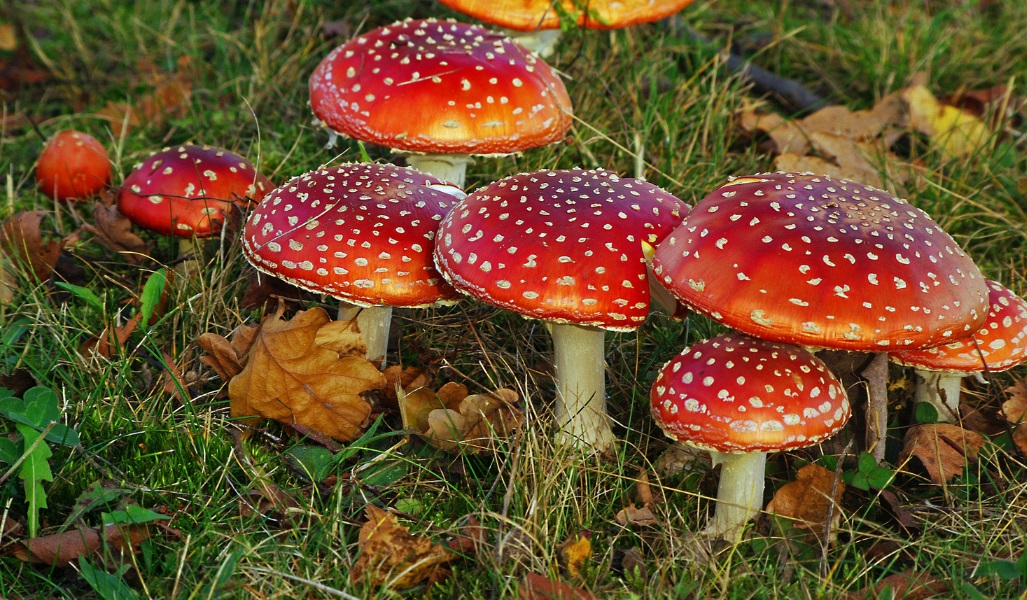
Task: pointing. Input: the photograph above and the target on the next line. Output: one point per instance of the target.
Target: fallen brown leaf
(540, 587)
(954, 132)
(470, 539)
(22, 243)
(634, 515)
(169, 98)
(406, 379)
(574, 551)
(908, 585)
(289, 378)
(172, 380)
(108, 341)
(343, 337)
(808, 500)
(390, 556)
(61, 549)
(471, 423)
(113, 231)
(1014, 409)
(1020, 439)
(941, 460)
(633, 563)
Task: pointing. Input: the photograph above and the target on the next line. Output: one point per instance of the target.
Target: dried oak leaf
(574, 551)
(1020, 439)
(113, 231)
(851, 160)
(808, 500)
(540, 587)
(1014, 409)
(390, 556)
(405, 379)
(343, 337)
(289, 378)
(954, 132)
(61, 549)
(634, 515)
(108, 341)
(934, 445)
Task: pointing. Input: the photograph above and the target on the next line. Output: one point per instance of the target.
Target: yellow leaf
(955, 132)
(390, 556)
(575, 551)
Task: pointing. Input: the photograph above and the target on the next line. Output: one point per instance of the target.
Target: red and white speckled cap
(999, 345)
(360, 232)
(805, 259)
(734, 393)
(559, 245)
(529, 15)
(186, 191)
(440, 87)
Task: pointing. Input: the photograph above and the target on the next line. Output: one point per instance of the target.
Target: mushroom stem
(188, 257)
(579, 359)
(739, 495)
(447, 167)
(374, 323)
(542, 42)
(941, 390)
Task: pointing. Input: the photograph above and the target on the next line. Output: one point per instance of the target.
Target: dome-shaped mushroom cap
(529, 15)
(360, 232)
(559, 245)
(999, 345)
(734, 393)
(805, 259)
(187, 191)
(440, 87)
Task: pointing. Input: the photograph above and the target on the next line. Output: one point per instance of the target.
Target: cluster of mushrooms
(794, 263)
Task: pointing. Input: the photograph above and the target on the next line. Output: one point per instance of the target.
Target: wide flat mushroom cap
(734, 393)
(805, 259)
(188, 190)
(1000, 344)
(360, 232)
(440, 87)
(529, 15)
(562, 246)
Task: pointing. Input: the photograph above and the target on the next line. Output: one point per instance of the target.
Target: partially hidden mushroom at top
(539, 22)
(1000, 344)
(361, 232)
(188, 191)
(810, 260)
(565, 247)
(440, 91)
(740, 397)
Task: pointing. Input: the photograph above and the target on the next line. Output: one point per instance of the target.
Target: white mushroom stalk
(739, 493)
(374, 323)
(579, 359)
(447, 167)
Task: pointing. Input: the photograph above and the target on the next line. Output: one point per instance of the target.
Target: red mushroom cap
(360, 232)
(529, 15)
(734, 393)
(440, 87)
(559, 245)
(808, 260)
(187, 191)
(72, 165)
(998, 345)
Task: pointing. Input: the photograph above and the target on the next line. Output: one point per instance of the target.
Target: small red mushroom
(363, 233)
(740, 397)
(72, 165)
(187, 191)
(1000, 344)
(441, 91)
(565, 247)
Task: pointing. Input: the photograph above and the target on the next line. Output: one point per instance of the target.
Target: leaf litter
(391, 556)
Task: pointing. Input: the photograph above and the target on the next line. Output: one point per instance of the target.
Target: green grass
(638, 94)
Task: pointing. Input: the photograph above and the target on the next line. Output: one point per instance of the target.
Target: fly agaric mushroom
(805, 259)
(999, 345)
(187, 191)
(740, 397)
(72, 165)
(565, 247)
(544, 18)
(441, 91)
(362, 233)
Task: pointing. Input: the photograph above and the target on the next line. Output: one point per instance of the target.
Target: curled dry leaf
(108, 341)
(405, 379)
(113, 231)
(288, 377)
(1014, 409)
(451, 420)
(808, 500)
(390, 556)
(943, 449)
(61, 549)
(1020, 439)
(635, 515)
